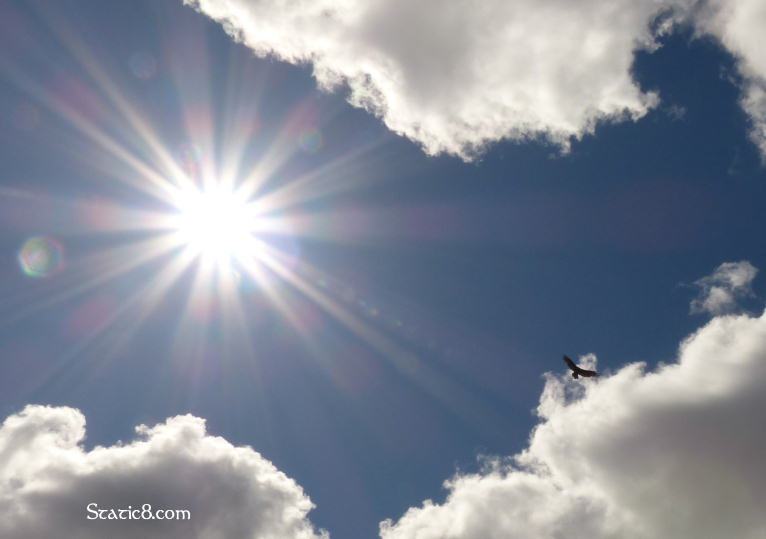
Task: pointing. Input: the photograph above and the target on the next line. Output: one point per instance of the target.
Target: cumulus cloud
(677, 452)
(456, 75)
(720, 292)
(739, 27)
(47, 481)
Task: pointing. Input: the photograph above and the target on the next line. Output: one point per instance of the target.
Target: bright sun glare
(217, 224)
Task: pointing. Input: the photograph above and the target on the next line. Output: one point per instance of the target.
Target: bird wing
(579, 370)
(571, 364)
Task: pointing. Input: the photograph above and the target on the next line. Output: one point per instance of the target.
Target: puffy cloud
(456, 75)
(720, 291)
(47, 481)
(672, 453)
(739, 26)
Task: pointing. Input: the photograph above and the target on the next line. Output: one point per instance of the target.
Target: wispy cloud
(48, 481)
(720, 291)
(672, 453)
(454, 76)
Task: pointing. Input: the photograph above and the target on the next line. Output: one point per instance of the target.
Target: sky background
(451, 199)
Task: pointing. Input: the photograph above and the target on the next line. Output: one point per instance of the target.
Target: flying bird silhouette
(577, 371)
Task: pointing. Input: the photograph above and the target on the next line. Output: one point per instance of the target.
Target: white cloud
(47, 481)
(739, 25)
(456, 75)
(677, 452)
(720, 291)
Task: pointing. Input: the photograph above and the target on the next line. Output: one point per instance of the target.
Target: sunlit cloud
(720, 292)
(456, 77)
(49, 480)
(675, 452)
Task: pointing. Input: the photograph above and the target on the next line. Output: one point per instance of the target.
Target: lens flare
(310, 141)
(41, 256)
(190, 157)
(143, 65)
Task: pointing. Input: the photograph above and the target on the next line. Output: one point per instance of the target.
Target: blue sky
(436, 214)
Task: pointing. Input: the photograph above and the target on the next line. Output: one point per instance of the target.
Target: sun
(217, 224)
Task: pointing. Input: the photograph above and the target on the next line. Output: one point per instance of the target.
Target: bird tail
(574, 375)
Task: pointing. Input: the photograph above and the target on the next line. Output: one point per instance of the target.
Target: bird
(577, 371)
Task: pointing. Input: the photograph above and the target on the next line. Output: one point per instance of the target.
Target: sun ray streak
(159, 187)
(387, 348)
(131, 314)
(128, 147)
(92, 66)
(23, 209)
(343, 173)
(195, 100)
(240, 121)
(255, 269)
(191, 331)
(449, 394)
(104, 266)
(232, 306)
